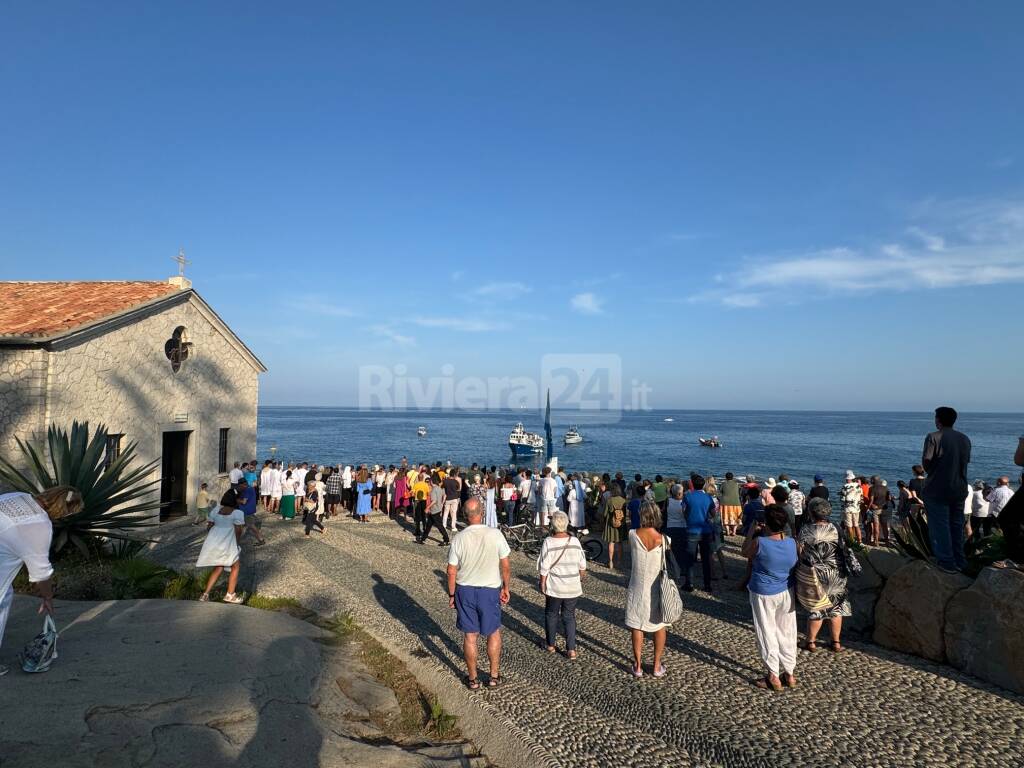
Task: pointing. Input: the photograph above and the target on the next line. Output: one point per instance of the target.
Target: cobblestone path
(864, 707)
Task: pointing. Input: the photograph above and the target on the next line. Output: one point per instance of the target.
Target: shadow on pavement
(404, 607)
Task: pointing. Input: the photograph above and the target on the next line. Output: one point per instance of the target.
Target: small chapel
(150, 360)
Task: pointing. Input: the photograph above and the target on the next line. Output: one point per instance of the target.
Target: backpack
(618, 514)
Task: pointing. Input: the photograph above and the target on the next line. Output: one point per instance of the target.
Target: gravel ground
(865, 707)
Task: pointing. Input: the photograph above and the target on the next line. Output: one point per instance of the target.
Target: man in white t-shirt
(547, 491)
(235, 475)
(25, 533)
(478, 579)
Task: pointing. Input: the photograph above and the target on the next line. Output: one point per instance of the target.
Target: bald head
(473, 510)
(1003, 481)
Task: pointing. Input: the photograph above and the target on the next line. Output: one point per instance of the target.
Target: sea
(763, 443)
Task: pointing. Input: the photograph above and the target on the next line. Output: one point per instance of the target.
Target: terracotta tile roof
(47, 308)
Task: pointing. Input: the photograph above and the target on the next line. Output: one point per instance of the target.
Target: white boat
(668, 419)
(421, 431)
(573, 436)
(523, 442)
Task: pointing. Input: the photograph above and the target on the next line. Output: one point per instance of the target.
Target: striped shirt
(561, 560)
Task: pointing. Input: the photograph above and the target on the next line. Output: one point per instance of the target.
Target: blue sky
(753, 206)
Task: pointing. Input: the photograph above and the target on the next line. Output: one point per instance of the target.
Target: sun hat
(850, 475)
(770, 482)
(794, 484)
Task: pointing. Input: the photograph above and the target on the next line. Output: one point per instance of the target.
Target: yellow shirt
(202, 499)
(421, 490)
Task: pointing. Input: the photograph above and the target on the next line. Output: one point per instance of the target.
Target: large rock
(985, 628)
(911, 613)
(885, 561)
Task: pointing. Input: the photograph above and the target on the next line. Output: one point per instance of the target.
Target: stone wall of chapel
(123, 379)
(22, 403)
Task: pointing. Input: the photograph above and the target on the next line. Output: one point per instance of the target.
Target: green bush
(186, 585)
(139, 578)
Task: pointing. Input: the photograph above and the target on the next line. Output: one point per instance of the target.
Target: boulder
(885, 561)
(911, 612)
(985, 628)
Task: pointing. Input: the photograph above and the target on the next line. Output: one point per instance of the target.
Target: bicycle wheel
(593, 547)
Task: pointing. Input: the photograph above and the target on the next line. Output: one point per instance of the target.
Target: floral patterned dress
(821, 549)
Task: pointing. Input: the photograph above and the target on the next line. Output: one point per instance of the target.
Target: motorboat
(668, 419)
(523, 442)
(573, 436)
(710, 442)
(421, 431)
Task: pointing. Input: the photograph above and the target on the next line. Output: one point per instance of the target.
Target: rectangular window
(112, 450)
(222, 452)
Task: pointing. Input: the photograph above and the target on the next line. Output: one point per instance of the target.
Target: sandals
(811, 646)
(494, 681)
(472, 683)
(571, 654)
(837, 647)
(765, 683)
(789, 680)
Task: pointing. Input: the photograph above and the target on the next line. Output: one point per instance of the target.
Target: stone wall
(123, 379)
(22, 389)
(911, 606)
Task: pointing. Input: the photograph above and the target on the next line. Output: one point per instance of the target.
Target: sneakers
(660, 671)
(233, 599)
(4, 669)
(204, 598)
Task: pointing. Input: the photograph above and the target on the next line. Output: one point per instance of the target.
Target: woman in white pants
(773, 556)
(25, 533)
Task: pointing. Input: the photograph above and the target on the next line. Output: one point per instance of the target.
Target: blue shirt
(773, 566)
(247, 500)
(697, 507)
(250, 478)
(634, 513)
(753, 511)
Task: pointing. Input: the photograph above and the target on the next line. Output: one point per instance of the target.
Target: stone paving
(865, 707)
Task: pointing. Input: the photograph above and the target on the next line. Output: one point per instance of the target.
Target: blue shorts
(478, 609)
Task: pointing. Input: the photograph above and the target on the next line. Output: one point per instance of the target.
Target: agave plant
(912, 537)
(116, 498)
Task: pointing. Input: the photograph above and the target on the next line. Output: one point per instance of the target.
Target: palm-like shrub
(115, 498)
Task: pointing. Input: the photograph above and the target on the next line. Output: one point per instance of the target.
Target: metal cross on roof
(182, 261)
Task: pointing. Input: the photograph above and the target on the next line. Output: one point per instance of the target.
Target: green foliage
(187, 585)
(126, 549)
(981, 553)
(912, 538)
(266, 603)
(139, 578)
(441, 723)
(343, 624)
(116, 499)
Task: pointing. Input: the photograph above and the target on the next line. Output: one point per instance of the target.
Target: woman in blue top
(772, 558)
(364, 495)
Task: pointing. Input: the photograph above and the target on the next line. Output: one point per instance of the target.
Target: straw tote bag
(671, 602)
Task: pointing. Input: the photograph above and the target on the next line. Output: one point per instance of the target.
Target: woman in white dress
(490, 508)
(643, 598)
(577, 518)
(220, 550)
(276, 489)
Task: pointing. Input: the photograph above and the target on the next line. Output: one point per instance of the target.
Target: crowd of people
(799, 548)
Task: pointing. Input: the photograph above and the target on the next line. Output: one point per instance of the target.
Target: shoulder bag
(671, 602)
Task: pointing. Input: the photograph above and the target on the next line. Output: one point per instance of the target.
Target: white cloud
(587, 303)
(389, 333)
(317, 305)
(983, 244)
(466, 324)
(505, 290)
(931, 242)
